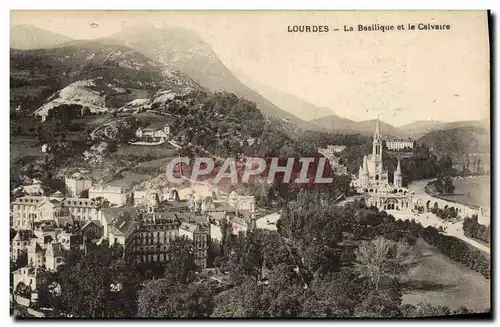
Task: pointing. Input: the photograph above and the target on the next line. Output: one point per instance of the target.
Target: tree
(402, 255)
(101, 203)
(372, 260)
(166, 298)
(243, 300)
(181, 264)
(95, 285)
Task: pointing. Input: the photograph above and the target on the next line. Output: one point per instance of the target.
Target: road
(429, 219)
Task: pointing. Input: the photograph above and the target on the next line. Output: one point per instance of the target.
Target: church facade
(373, 180)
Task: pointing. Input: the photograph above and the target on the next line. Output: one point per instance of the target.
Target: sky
(402, 76)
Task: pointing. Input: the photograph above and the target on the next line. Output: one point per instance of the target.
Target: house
(45, 147)
(118, 227)
(92, 230)
(154, 132)
(54, 256)
(50, 209)
(238, 225)
(21, 242)
(36, 255)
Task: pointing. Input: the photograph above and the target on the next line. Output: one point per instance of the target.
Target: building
(116, 195)
(331, 153)
(54, 255)
(399, 144)
(373, 180)
(92, 230)
(48, 251)
(28, 210)
(27, 277)
(141, 197)
(153, 234)
(331, 150)
(33, 189)
(238, 225)
(46, 148)
(119, 226)
(199, 233)
(76, 184)
(82, 209)
(241, 202)
(21, 242)
(154, 132)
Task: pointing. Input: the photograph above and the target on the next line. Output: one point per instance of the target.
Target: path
(429, 219)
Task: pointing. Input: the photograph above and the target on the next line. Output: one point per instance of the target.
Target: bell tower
(377, 147)
(398, 178)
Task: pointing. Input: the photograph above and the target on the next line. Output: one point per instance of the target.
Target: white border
(201, 5)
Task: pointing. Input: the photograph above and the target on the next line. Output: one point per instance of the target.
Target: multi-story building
(82, 209)
(77, 184)
(399, 144)
(116, 195)
(155, 230)
(28, 210)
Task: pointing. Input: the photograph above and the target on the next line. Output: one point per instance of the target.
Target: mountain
(336, 124)
(458, 140)
(28, 37)
(185, 51)
(288, 102)
(422, 127)
(35, 74)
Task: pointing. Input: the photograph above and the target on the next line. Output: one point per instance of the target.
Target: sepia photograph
(250, 164)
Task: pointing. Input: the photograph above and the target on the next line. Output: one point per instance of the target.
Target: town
(153, 177)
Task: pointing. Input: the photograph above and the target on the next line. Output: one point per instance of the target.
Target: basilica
(373, 180)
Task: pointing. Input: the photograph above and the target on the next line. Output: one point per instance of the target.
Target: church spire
(377, 145)
(398, 169)
(377, 134)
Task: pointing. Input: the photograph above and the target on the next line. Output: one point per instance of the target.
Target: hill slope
(422, 127)
(458, 140)
(288, 102)
(185, 51)
(56, 68)
(28, 37)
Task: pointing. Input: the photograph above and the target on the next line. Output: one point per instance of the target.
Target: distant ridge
(29, 37)
(288, 102)
(336, 124)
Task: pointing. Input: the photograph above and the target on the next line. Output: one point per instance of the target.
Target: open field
(146, 150)
(473, 191)
(24, 146)
(438, 280)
